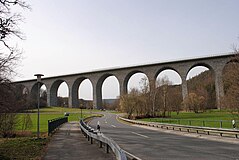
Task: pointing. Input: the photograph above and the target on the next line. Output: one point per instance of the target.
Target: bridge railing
(187, 128)
(108, 143)
(53, 124)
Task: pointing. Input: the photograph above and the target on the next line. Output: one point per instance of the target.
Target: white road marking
(140, 135)
(131, 155)
(113, 126)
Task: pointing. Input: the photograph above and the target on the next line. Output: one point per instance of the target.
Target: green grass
(212, 118)
(51, 113)
(21, 148)
(62, 110)
(27, 147)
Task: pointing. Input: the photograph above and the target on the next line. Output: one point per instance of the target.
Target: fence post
(48, 127)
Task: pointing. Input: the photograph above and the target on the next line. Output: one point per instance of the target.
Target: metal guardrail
(200, 123)
(92, 134)
(55, 123)
(187, 128)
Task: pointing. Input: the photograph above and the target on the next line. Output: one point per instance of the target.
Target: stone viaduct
(182, 67)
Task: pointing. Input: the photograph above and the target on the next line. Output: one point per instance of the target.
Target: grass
(51, 113)
(62, 110)
(27, 147)
(22, 148)
(212, 118)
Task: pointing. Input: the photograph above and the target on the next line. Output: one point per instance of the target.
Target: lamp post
(38, 102)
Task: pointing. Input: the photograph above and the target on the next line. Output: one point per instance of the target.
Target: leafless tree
(9, 28)
(194, 102)
(231, 84)
(9, 58)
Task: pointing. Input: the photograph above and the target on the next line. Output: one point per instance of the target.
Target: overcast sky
(74, 36)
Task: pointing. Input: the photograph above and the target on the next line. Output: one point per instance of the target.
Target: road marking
(113, 126)
(131, 155)
(140, 135)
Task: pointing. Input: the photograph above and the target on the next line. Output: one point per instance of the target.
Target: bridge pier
(219, 88)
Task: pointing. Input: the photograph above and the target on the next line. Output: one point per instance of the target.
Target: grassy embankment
(212, 118)
(28, 147)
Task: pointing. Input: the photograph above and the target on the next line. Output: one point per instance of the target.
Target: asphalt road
(153, 144)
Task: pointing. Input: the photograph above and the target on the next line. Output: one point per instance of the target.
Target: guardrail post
(91, 140)
(106, 148)
(100, 144)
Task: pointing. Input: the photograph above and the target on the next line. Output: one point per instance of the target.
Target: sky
(74, 36)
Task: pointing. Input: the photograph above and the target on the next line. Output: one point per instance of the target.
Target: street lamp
(38, 102)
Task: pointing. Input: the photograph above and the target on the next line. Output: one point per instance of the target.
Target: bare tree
(9, 28)
(231, 84)
(9, 57)
(194, 102)
(163, 85)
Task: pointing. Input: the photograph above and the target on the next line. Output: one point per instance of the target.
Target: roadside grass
(22, 148)
(211, 118)
(25, 146)
(62, 110)
(49, 113)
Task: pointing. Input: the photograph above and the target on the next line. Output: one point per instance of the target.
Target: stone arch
(53, 91)
(34, 90)
(75, 89)
(98, 89)
(34, 93)
(210, 67)
(205, 87)
(174, 91)
(22, 89)
(128, 76)
(166, 68)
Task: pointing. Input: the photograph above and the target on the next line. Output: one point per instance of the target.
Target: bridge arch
(203, 64)
(34, 90)
(127, 78)
(75, 91)
(98, 89)
(34, 94)
(166, 68)
(168, 85)
(203, 85)
(53, 91)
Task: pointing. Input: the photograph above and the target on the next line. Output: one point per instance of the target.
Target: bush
(8, 122)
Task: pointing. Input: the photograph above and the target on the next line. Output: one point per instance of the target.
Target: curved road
(152, 144)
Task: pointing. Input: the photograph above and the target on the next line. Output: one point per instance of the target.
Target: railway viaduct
(215, 63)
